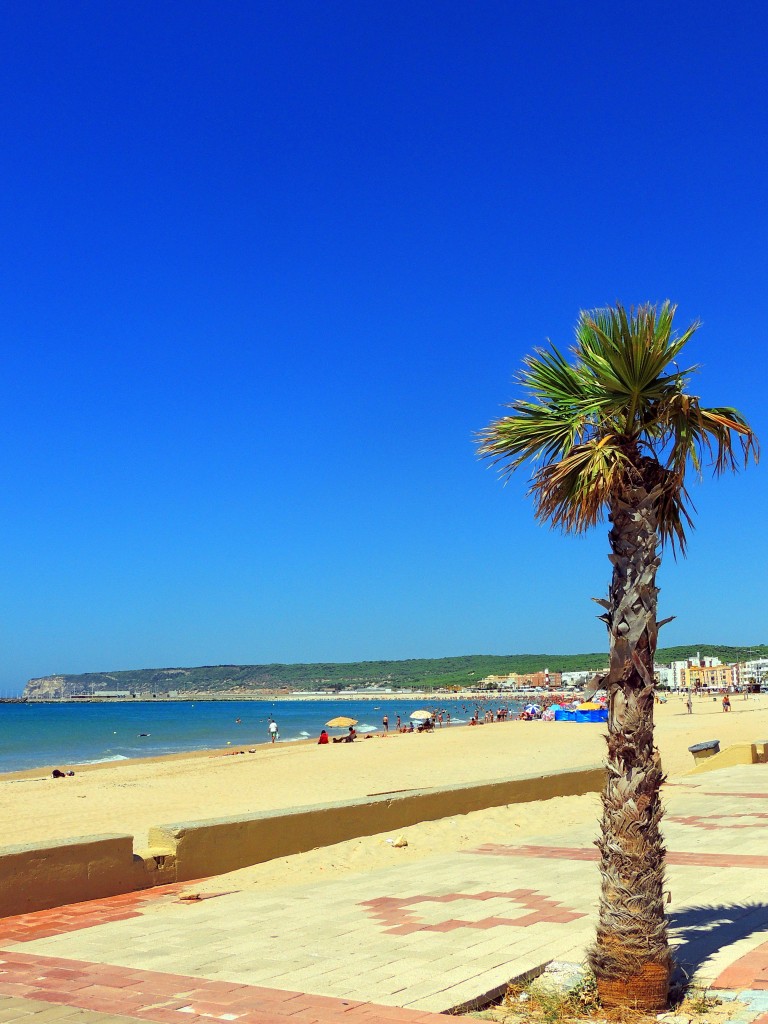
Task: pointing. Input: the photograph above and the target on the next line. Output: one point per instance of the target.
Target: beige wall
(739, 753)
(225, 844)
(38, 877)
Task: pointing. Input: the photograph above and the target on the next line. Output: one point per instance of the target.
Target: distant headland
(458, 673)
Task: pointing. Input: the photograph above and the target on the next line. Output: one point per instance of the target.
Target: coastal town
(691, 674)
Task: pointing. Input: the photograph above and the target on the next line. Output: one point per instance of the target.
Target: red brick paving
(674, 857)
(392, 912)
(43, 923)
(749, 971)
(747, 796)
(711, 821)
(176, 999)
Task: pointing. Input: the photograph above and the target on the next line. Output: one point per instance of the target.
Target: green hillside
(418, 673)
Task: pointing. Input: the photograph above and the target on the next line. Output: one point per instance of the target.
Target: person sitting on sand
(323, 737)
(349, 738)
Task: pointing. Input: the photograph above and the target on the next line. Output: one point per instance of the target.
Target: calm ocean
(33, 735)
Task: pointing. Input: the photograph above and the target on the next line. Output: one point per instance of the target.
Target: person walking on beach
(689, 704)
(726, 702)
(273, 733)
(385, 723)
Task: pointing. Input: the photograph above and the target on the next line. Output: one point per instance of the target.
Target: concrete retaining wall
(739, 753)
(41, 876)
(225, 844)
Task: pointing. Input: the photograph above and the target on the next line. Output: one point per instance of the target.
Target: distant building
(748, 673)
(699, 677)
(665, 676)
(506, 682)
(550, 680)
(576, 678)
(679, 668)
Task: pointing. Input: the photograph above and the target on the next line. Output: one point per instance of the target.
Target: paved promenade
(401, 944)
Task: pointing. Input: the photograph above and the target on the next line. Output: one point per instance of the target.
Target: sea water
(72, 733)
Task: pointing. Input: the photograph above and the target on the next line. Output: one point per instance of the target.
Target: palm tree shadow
(697, 933)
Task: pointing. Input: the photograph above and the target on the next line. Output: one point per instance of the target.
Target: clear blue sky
(267, 267)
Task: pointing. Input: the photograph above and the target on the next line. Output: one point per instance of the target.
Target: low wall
(224, 844)
(739, 753)
(40, 876)
(37, 876)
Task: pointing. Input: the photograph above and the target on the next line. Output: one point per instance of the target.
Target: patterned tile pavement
(401, 944)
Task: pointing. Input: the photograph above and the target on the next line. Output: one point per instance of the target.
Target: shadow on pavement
(700, 932)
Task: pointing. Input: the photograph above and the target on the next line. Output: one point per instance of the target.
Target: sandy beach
(129, 797)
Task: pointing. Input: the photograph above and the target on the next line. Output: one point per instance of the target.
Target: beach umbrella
(532, 709)
(421, 716)
(341, 722)
(589, 705)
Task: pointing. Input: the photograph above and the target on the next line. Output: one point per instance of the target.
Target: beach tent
(595, 715)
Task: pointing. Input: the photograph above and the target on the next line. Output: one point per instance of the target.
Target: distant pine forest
(419, 673)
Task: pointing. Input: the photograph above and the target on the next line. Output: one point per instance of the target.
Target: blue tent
(562, 715)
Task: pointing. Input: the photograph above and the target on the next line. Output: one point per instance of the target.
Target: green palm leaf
(621, 398)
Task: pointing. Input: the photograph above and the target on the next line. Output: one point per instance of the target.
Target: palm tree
(612, 433)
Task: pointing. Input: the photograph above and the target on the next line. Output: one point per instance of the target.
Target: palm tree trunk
(631, 956)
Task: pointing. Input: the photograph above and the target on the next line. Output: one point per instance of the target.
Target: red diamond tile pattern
(398, 917)
(175, 999)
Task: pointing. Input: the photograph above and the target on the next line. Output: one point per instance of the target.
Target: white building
(577, 678)
(755, 670)
(664, 675)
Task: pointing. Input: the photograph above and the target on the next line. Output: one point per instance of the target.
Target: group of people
(349, 738)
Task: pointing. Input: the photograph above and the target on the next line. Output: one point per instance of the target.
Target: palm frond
(620, 404)
(574, 492)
